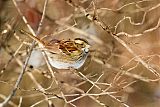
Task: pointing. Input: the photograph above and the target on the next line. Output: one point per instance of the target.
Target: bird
(64, 54)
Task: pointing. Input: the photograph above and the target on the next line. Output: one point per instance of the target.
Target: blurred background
(112, 76)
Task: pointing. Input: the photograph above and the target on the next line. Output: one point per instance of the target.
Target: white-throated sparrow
(64, 54)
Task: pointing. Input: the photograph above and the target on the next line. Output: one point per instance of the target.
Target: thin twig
(20, 101)
(10, 102)
(12, 57)
(108, 30)
(29, 54)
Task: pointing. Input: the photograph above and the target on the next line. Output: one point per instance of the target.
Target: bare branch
(30, 51)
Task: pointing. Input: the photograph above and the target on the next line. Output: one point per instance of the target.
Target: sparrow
(64, 54)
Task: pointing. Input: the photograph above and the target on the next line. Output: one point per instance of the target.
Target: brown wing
(69, 48)
(53, 46)
(63, 47)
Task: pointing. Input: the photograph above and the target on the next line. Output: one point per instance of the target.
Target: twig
(12, 57)
(103, 91)
(29, 54)
(108, 30)
(74, 29)
(20, 101)
(10, 102)
(37, 84)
